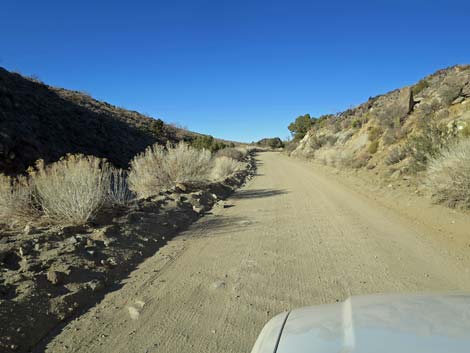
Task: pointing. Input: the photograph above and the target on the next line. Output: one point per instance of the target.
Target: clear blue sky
(238, 69)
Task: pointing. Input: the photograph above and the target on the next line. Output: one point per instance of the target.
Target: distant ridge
(40, 121)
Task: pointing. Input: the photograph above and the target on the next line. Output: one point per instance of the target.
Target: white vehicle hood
(379, 324)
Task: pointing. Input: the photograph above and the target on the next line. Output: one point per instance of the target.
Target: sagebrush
(15, 200)
(428, 143)
(448, 175)
(234, 153)
(159, 168)
(71, 190)
(224, 167)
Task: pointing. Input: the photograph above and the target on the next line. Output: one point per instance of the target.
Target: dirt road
(292, 237)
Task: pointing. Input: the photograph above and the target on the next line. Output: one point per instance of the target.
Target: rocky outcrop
(405, 101)
(373, 135)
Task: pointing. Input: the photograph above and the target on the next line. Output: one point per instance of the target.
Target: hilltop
(40, 121)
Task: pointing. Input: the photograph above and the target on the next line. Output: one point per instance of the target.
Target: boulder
(55, 277)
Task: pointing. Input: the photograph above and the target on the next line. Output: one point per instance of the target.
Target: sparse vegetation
(356, 123)
(450, 91)
(428, 143)
(391, 117)
(417, 88)
(373, 147)
(393, 135)
(361, 160)
(395, 155)
(448, 175)
(374, 133)
(15, 200)
(159, 168)
(71, 190)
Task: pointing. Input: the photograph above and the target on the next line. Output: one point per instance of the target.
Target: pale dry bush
(224, 167)
(71, 190)
(235, 153)
(148, 172)
(245, 152)
(15, 200)
(187, 164)
(326, 156)
(158, 168)
(448, 175)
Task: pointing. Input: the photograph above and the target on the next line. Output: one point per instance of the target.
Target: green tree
(207, 142)
(300, 126)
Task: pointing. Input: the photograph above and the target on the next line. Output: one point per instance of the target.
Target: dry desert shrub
(225, 166)
(234, 153)
(147, 175)
(326, 156)
(119, 192)
(15, 200)
(187, 164)
(158, 168)
(71, 190)
(448, 175)
(395, 155)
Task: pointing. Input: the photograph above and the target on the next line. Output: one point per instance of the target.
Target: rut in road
(293, 237)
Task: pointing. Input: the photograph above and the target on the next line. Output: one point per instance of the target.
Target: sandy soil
(296, 235)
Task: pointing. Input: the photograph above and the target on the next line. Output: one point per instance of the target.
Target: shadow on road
(220, 225)
(257, 193)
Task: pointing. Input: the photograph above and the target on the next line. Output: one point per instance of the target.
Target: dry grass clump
(225, 166)
(15, 200)
(71, 190)
(428, 143)
(159, 168)
(119, 192)
(448, 175)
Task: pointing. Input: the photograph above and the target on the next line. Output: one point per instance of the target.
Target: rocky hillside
(40, 121)
(394, 133)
